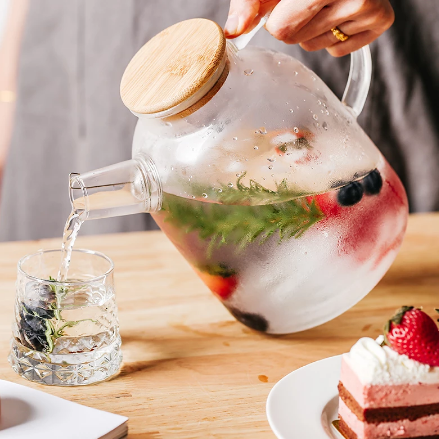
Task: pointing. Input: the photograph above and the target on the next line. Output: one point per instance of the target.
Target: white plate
(303, 404)
(32, 414)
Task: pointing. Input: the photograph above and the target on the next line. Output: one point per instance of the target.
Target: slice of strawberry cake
(391, 390)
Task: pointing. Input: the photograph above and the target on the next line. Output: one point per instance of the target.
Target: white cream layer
(374, 365)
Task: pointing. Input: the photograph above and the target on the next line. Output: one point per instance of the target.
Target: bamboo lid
(173, 66)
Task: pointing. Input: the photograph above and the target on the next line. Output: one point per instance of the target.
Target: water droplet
(261, 130)
(168, 124)
(325, 126)
(220, 190)
(278, 62)
(230, 185)
(172, 168)
(319, 101)
(322, 111)
(327, 112)
(296, 130)
(316, 124)
(295, 73)
(193, 196)
(291, 110)
(204, 195)
(270, 167)
(248, 72)
(235, 138)
(315, 117)
(238, 175)
(272, 175)
(256, 147)
(271, 160)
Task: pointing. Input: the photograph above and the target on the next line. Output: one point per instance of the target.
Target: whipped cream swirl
(374, 364)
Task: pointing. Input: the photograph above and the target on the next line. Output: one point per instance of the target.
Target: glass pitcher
(259, 175)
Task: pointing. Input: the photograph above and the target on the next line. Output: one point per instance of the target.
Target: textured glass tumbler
(65, 333)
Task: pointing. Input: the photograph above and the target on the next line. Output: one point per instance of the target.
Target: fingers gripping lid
(173, 66)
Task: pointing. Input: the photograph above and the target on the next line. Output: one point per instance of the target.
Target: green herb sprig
(237, 222)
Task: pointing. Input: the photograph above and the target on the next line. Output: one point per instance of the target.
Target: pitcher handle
(360, 73)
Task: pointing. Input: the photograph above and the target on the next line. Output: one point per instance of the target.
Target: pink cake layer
(380, 396)
(426, 426)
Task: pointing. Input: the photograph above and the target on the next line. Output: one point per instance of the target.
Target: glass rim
(69, 283)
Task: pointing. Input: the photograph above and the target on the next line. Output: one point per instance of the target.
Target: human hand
(309, 22)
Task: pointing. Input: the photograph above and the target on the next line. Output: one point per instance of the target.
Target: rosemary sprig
(253, 195)
(241, 223)
(60, 292)
(52, 334)
(39, 326)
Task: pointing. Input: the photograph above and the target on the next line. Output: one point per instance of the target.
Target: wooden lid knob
(171, 67)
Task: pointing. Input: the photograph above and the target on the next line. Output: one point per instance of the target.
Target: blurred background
(61, 62)
(3, 11)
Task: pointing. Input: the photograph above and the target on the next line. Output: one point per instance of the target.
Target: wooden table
(190, 370)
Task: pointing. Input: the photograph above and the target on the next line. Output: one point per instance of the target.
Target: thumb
(241, 16)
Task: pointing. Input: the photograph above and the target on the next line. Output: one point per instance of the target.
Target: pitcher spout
(124, 188)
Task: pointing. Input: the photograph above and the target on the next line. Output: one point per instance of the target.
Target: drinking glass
(65, 333)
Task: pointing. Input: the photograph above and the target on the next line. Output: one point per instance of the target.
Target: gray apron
(70, 117)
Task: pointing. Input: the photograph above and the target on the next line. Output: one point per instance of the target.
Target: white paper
(31, 414)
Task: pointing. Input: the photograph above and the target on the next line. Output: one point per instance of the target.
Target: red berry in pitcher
(220, 279)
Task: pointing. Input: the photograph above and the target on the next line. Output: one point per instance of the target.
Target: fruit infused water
(65, 332)
(287, 266)
(267, 185)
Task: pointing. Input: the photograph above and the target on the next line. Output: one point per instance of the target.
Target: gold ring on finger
(339, 34)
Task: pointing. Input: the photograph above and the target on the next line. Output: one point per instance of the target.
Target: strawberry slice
(287, 140)
(413, 333)
(220, 279)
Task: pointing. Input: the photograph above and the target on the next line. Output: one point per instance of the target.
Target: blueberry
(32, 323)
(253, 321)
(32, 326)
(373, 183)
(350, 194)
(34, 341)
(38, 312)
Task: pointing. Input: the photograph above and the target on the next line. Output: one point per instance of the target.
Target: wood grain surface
(190, 370)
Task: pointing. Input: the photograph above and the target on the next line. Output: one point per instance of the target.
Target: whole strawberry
(413, 333)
